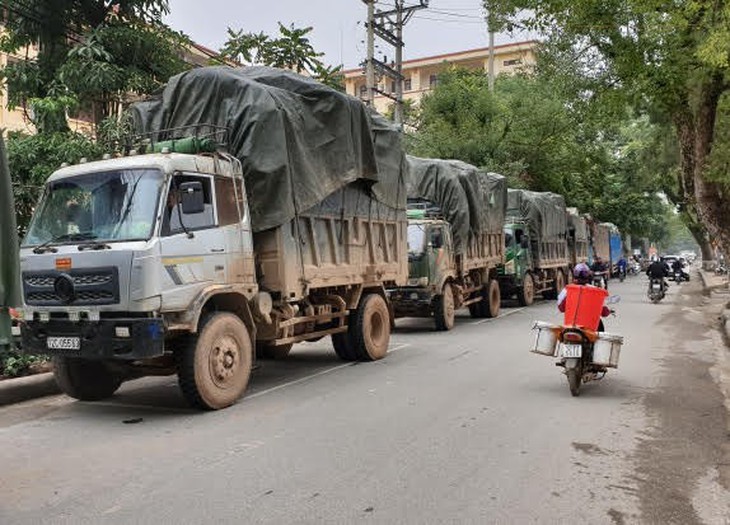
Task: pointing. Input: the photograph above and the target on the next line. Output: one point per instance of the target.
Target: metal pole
(369, 69)
(490, 28)
(399, 64)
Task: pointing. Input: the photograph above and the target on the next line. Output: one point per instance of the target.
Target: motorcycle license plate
(63, 343)
(570, 351)
(656, 286)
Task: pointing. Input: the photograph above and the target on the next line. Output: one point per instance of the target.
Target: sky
(445, 26)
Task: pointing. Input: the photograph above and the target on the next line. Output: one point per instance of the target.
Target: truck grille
(91, 286)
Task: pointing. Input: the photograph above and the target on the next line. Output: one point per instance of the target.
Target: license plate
(571, 350)
(63, 343)
(656, 286)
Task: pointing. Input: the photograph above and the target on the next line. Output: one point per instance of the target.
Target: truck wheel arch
(233, 302)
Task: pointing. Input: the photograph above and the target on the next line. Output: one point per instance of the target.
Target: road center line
(511, 312)
(397, 347)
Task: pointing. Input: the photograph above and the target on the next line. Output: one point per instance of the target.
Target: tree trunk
(695, 130)
(699, 233)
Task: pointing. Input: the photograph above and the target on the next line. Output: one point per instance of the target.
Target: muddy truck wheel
(526, 294)
(558, 286)
(85, 379)
(370, 328)
(214, 368)
(493, 303)
(443, 309)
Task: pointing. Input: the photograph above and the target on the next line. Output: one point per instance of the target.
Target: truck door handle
(218, 250)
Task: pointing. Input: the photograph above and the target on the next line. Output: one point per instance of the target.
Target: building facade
(421, 74)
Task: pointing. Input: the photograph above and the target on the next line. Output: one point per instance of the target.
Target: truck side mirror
(192, 198)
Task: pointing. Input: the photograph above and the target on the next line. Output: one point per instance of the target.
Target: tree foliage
(670, 58)
(93, 56)
(532, 130)
(291, 49)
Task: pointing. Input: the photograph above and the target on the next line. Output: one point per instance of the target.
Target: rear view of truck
(578, 237)
(536, 235)
(455, 241)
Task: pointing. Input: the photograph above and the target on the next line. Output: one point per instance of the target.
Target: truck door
(235, 224)
(191, 244)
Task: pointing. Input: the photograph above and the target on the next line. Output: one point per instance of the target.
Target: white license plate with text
(571, 351)
(656, 286)
(63, 343)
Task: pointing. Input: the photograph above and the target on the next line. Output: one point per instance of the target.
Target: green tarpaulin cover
(471, 200)
(298, 140)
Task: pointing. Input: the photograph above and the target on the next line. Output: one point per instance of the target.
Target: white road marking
(312, 376)
(501, 316)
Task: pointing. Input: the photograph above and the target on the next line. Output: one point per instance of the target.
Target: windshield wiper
(46, 246)
(96, 245)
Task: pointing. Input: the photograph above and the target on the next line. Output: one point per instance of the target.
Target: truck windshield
(105, 206)
(416, 239)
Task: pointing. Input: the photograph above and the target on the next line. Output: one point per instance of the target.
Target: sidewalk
(26, 388)
(719, 283)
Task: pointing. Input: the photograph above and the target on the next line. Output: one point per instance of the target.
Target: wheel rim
(377, 329)
(225, 361)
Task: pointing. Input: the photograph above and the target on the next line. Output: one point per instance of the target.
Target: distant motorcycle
(586, 355)
(600, 280)
(656, 291)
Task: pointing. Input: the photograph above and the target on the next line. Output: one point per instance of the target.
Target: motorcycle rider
(599, 267)
(622, 265)
(677, 267)
(583, 276)
(657, 270)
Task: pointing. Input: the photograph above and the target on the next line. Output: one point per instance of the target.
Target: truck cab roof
(211, 164)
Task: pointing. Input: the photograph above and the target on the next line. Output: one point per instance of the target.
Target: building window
(392, 87)
(363, 91)
(513, 62)
(407, 84)
(432, 81)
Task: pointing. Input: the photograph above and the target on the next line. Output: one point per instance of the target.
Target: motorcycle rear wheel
(574, 378)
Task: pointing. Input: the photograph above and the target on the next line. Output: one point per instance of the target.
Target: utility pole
(490, 29)
(369, 69)
(388, 26)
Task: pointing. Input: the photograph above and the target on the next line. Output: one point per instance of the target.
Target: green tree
(543, 138)
(291, 49)
(672, 57)
(90, 52)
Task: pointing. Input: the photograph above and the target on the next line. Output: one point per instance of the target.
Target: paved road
(460, 427)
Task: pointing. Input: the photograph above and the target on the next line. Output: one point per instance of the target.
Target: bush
(14, 364)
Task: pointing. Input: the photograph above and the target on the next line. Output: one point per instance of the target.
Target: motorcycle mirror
(614, 299)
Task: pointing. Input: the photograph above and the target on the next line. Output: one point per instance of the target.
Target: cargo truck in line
(187, 259)
(536, 238)
(455, 242)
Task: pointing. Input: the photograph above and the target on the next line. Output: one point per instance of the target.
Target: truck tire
(214, 367)
(526, 293)
(370, 328)
(558, 286)
(443, 309)
(342, 343)
(493, 300)
(85, 379)
(267, 351)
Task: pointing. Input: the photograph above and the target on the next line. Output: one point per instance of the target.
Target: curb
(25, 388)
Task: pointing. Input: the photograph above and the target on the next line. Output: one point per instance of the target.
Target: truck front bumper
(411, 302)
(124, 339)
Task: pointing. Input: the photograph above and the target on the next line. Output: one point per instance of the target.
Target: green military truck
(455, 241)
(537, 259)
